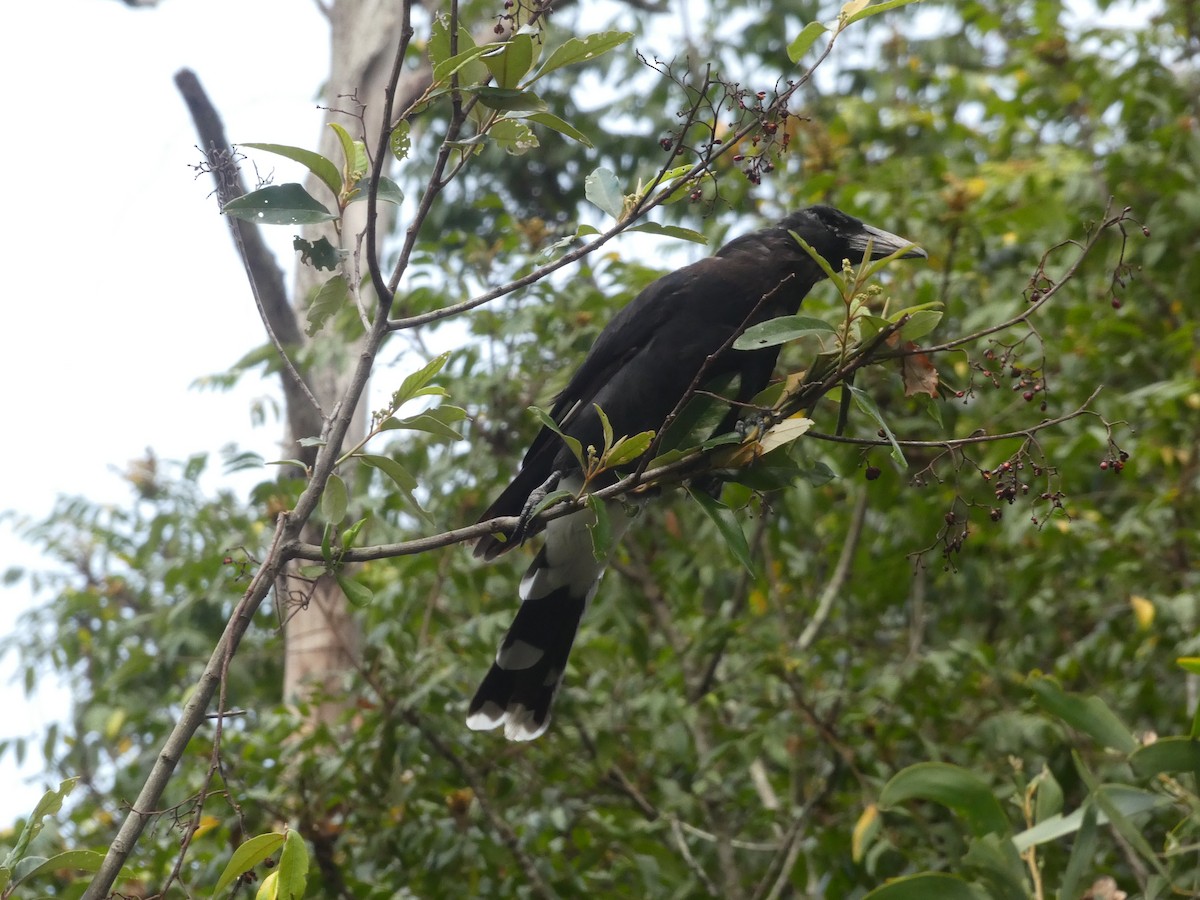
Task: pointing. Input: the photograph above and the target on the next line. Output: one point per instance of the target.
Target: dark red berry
(1028, 395)
(996, 514)
(1104, 465)
(1116, 304)
(873, 472)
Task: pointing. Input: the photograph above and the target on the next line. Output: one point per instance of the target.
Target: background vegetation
(1006, 616)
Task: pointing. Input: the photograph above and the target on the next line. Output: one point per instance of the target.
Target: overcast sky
(122, 286)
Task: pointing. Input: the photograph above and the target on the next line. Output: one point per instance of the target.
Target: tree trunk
(321, 638)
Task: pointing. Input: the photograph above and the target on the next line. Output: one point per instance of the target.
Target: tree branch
(262, 272)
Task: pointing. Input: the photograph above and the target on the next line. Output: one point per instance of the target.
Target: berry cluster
(1115, 461)
(771, 139)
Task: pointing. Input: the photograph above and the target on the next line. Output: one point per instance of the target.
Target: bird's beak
(884, 243)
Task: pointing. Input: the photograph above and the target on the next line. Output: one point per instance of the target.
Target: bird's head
(837, 235)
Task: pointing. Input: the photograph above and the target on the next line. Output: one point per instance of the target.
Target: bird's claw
(529, 510)
(754, 426)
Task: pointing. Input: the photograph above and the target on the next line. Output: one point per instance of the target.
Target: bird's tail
(518, 690)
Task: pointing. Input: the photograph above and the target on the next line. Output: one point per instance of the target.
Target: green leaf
(605, 426)
(50, 803)
(727, 524)
(552, 498)
(413, 384)
(553, 122)
(354, 157)
(1166, 755)
(833, 275)
(319, 254)
(400, 141)
(512, 61)
(335, 500)
(864, 402)
(391, 469)
(674, 231)
(577, 50)
(863, 11)
(430, 425)
(925, 886)
(1083, 852)
(471, 72)
(356, 592)
(600, 529)
(805, 39)
(443, 70)
(629, 448)
(954, 787)
(920, 324)
(1132, 834)
(279, 204)
(247, 856)
(1090, 715)
(506, 99)
(573, 443)
(1048, 800)
(1129, 800)
(293, 867)
(997, 866)
(80, 860)
(323, 168)
(781, 330)
(350, 535)
(513, 136)
(327, 544)
(389, 191)
(869, 326)
(603, 190)
(326, 304)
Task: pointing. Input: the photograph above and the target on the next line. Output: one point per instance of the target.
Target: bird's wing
(606, 366)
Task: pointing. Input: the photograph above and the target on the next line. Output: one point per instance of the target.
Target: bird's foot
(530, 509)
(754, 426)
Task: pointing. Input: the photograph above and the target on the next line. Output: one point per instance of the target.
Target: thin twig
(841, 573)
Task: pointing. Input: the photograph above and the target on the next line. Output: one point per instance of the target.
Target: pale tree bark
(322, 641)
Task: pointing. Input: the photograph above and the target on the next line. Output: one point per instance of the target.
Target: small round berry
(873, 472)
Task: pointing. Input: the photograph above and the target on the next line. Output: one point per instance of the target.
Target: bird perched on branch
(641, 368)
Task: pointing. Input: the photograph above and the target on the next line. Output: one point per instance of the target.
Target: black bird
(639, 369)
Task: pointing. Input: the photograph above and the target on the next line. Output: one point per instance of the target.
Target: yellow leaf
(865, 830)
(207, 824)
(854, 6)
(1189, 663)
(758, 602)
(1143, 611)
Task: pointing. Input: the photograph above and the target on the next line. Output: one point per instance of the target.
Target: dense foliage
(722, 731)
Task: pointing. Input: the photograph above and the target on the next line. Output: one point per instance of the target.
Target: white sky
(122, 285)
